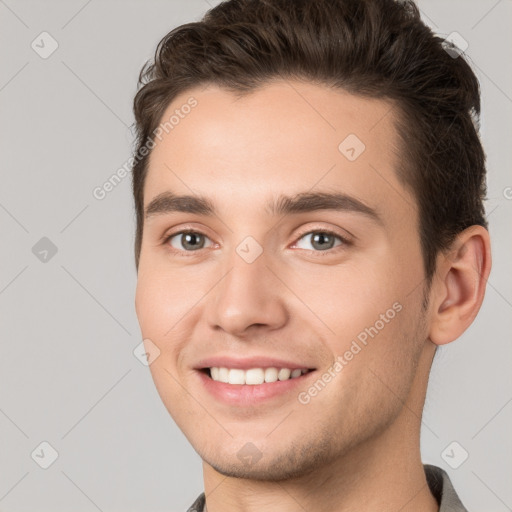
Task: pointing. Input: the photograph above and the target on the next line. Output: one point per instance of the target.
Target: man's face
(299, 289)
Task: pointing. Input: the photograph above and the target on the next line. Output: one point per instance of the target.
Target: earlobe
(458, 287)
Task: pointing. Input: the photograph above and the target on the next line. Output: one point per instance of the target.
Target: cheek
(164, 298)
(371, 318)
(379, 364)
(169, 304)
(346, 300)
(160, 305)
(150, 304)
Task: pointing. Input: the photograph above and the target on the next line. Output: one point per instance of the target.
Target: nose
(249, 295)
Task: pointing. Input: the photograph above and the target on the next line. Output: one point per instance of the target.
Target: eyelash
(327, 252)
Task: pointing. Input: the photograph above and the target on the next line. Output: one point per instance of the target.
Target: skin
(355, 445)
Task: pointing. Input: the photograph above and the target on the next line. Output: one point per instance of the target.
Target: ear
(458, 286)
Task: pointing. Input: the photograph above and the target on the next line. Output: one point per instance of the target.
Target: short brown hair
(371, 48)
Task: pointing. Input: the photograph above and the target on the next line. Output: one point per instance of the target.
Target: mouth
(253, 376)
(254, 385)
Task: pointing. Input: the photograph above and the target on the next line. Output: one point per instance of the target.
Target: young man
(308, 184)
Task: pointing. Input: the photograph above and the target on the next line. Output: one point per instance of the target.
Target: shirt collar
(438, 481)
(442, 489)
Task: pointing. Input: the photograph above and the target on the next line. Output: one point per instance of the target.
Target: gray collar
(437, 479)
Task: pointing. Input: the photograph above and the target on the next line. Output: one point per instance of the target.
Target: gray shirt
(437, 479)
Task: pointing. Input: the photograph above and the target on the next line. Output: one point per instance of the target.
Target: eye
(189, 240)
(192, 241)
(322, 240)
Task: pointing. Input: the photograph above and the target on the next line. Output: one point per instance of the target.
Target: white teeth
(270, 374)
(236, 376)
(254, 376)
(223, 375)
(284, 374)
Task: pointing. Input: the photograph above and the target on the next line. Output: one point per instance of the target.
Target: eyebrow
(168, 202)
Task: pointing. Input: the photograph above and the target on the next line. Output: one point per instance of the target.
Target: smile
(254, 376)
(253, 386)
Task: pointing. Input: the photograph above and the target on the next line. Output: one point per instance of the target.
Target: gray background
(68, 375)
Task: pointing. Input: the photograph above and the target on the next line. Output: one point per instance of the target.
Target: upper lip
(249, 362)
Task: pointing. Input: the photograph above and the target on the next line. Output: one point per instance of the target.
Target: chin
(268, 472)
(251, 463)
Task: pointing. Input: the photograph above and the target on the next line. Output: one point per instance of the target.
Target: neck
(384, 473)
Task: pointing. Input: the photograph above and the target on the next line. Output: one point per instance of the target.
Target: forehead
(285, 137)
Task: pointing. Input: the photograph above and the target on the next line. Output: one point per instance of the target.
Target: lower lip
(247, 394)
